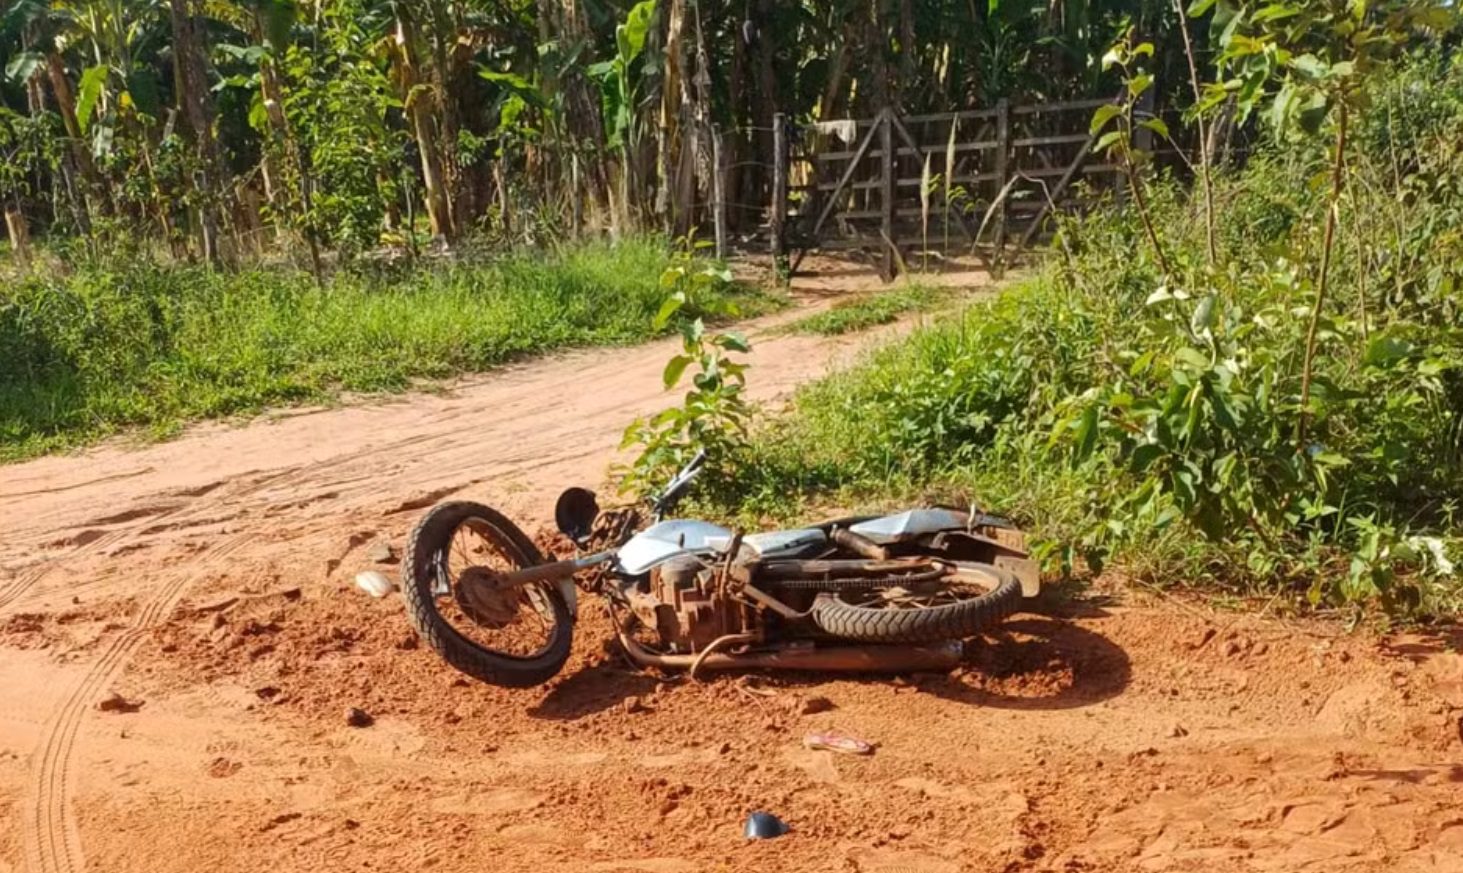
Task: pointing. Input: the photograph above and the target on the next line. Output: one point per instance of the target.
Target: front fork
(561, 573)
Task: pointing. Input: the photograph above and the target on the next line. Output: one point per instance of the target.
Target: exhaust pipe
(845, 659)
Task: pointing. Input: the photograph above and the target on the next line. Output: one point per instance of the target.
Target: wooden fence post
(576, 200)
(886, 188)
(780, 158)
(1003, 151)
(718, 191)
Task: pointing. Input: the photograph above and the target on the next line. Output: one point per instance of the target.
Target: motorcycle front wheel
(515, 636)
(973, 599)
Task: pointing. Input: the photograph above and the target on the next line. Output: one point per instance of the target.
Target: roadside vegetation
(1253, 386)
(198, 197)
(870, 310)
(127, 344)
(225, 130)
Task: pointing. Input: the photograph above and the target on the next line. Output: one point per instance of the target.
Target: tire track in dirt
(434, 443)
(29, 579)
(141, 522)
(53, 844)
(188, 511)
(137, 520)
(50, 839)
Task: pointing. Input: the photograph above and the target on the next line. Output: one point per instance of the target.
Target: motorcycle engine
(684, 606)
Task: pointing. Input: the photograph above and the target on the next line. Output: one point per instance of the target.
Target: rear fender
(1002, 547)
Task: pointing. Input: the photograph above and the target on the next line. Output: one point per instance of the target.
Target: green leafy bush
(713, 415)
(1157, 421)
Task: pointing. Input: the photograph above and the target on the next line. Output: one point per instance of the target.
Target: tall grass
(149, 345)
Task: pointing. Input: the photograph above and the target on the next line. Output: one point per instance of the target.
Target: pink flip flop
(838, 743)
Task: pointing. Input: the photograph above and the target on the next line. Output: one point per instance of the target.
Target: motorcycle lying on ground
(894, 593)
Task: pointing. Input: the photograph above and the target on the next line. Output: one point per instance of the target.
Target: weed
(872, 310)
(713, 416)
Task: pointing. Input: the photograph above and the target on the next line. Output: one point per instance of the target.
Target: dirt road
(207, 581)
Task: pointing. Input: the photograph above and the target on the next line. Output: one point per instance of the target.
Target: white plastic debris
(374, 583)
(1436, 550)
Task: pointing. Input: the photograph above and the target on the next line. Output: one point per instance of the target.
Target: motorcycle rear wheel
(428, 584)
(951, 611)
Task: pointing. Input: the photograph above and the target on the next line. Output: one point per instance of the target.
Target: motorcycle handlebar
(678, 485)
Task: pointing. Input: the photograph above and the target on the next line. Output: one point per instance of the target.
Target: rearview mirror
(575, 513)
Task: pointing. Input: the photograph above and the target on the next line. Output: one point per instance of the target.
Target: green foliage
(540, 115)
(339, 100)
(1128, 417)
(140, 344)
(862, 313)
(619, 81)
(1121, 116)
(1301, 59)
(713, 415)
(29, 145)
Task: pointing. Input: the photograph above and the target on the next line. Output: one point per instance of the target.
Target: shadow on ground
(1039, 662)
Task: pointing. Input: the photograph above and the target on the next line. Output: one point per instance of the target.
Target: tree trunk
(35, 102)
(686, 107)
(65, 100)
(270, 95)
(878, 48)
(193, 99)
(767, 97)
(276, 186)
(675, 198)
(582, 110)
(832, 104)
(698, 105)
(419, 111)
(448, 56)
(80, 154)
(906, 52)
(19, 234)
(736, 139)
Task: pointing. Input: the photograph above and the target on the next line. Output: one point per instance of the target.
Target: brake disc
(483, 597)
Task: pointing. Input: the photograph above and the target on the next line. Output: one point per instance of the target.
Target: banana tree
(44, 33)
(619, 82)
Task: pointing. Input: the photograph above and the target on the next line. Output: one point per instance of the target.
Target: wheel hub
(484, 598)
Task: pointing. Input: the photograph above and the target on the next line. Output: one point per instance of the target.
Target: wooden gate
(982, 181)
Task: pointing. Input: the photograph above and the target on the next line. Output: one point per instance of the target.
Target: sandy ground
(208, 579)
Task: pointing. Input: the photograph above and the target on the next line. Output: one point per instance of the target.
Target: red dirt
(209, 580)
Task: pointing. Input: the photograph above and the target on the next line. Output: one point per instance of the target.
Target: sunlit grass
(150, 346)
(872, 310)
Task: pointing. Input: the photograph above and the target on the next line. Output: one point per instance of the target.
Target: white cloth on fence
(845, 129)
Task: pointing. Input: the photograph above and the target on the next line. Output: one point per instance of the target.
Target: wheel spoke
(954, 588)
(475, 557)
(461, 551)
